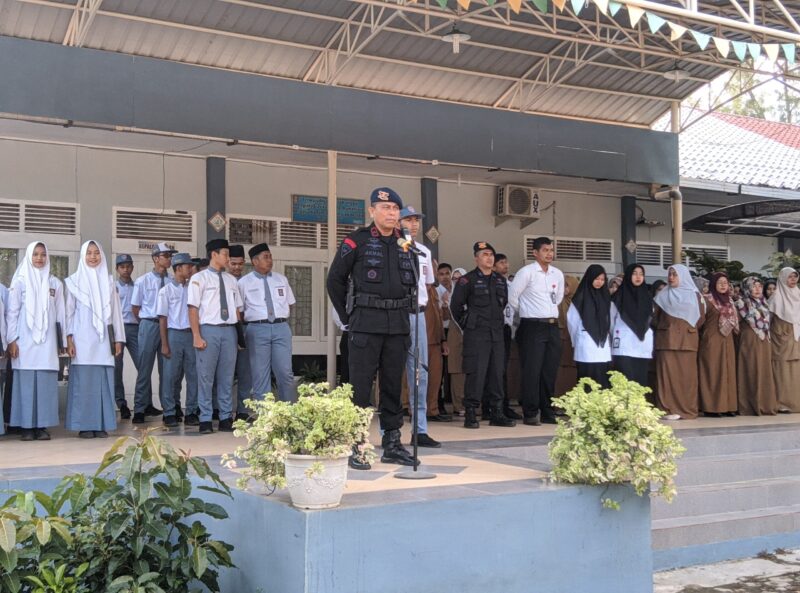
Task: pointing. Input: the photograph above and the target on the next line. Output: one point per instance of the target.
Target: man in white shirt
(267, 300)
(143, 305)
(214, 306)
(124, 265)
(535, 294)
(411, 220)
(176, 343)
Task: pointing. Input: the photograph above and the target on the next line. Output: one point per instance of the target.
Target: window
(154, 225)
(8, 265)
(659, 255)
(59, 266)
(49, 218)
(283, 233)
(300, 279)
(576, 249)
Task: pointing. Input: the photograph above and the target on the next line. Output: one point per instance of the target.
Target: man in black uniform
(376, 313)
(478, 304)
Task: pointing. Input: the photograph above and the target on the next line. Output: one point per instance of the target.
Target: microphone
(406, 242)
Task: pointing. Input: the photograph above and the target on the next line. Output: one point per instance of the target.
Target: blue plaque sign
(315, 209)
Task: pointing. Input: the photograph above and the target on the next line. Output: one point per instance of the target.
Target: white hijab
(785, 302)
(92, 287)
(681, 302)
(37, 293)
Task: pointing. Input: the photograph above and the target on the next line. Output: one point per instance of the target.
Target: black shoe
(508, 412)
(86, 434)
(500, 420)
(393, 450)
(27, 434)
(125, 413)
(486, 415)
(356, 460)
(215, 415)
(440, 418)
(151, 410)
(100, 434)
(470, 419)
(731, 414)
(423, 440)
(178, 414)
(532, 421)
(206, 428)
(41, 434)
(191, 420)
(170, 421)
(711, 415)
(225, 425)
(138, 418)
(549, 420)
(242, 416)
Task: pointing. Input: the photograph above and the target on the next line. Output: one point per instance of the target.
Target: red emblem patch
(350, 243)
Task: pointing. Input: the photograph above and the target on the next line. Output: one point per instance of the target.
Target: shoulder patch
(195, 282)
(347, 246)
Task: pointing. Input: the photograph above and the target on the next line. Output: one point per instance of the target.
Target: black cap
(481, 246)
(256, 249)
(236, 250)
(216, 245)
(385, 194)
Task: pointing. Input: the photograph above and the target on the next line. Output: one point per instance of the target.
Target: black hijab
(594, 305)
(634, 303)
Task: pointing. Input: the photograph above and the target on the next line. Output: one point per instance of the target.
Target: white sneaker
(672, 417)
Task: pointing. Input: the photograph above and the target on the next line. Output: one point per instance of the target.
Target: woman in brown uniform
(680, 312)
(567, 376)
(717, 360)
(785, 333)
(754, 370)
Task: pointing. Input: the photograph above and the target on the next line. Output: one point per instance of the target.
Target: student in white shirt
(267, 299)
(411, 220)
(589, 324)
(535, 294)
(214, 306)
(143, 304)
(95, 336)
(35, 319)
(242, 378)
(631, 334)
(124, 266)
(176, 343)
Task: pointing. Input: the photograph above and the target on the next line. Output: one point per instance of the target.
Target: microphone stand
(415, 473)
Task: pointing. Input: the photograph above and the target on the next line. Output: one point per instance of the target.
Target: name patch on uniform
(52, 292)
(280, 292)
(195, 282)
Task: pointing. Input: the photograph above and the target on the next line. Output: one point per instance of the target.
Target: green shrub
(614, 436)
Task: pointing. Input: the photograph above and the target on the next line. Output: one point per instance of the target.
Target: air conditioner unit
(518, 201)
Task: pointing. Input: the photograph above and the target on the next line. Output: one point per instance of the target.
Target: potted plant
(304, 446)
(614, 436)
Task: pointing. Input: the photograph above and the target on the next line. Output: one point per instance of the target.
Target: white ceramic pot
(322, 490)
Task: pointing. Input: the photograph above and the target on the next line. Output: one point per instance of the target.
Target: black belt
(374, 302)
(276, 320)
(175, 329)
(421, 309)
(220, 324)
(547, 320)
(153, 319)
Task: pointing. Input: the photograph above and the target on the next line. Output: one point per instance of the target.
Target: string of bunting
(656, 23)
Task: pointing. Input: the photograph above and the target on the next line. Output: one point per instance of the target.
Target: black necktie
(223, 299)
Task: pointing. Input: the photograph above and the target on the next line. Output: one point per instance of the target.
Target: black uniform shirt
(478, 302)
(377, 266)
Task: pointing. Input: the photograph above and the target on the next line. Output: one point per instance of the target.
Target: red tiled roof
(786, 134)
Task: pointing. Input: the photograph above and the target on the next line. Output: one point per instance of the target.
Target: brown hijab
(570, 286)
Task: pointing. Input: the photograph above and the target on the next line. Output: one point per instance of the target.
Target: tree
(787, 107)
(745, 99)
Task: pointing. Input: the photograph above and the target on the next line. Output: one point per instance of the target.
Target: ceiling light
(456, 37)
(676, 73)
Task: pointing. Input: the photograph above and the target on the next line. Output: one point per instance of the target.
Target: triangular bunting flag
(515, 5)
(491, 2)
(560, 4)
(772, 49)
(634, 14)
(464, 4)
(613, 7)
(789, 51)
(442, 3)
(701, 39)
(754, 49)
(723, 46)
(740, 49)
(540, 4)
(577, 5)
(602, 5)
(655, 22)
(676, 31)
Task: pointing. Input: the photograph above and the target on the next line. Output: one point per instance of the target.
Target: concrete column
(430, 208)
(331, 345)
(215, 194)
(675, 196)
(628, 228)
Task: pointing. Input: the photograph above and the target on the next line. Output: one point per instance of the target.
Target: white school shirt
(586, 349)
(254, 303)
(172, 304)
(89, 349)
(425, 273)
(535, 293)
(443, 292)
(125, 292)
(624, 342)
(145, 294)
(35, 357)
(204, 294)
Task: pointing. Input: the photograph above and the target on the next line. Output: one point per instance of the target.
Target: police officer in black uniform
(371, 283)
(478, 304)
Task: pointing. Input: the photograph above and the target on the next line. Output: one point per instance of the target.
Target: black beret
(256, 249)
(216, 245)
(481, 246)
(236, 250)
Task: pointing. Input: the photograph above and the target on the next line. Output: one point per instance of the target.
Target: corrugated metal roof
(287, 38)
